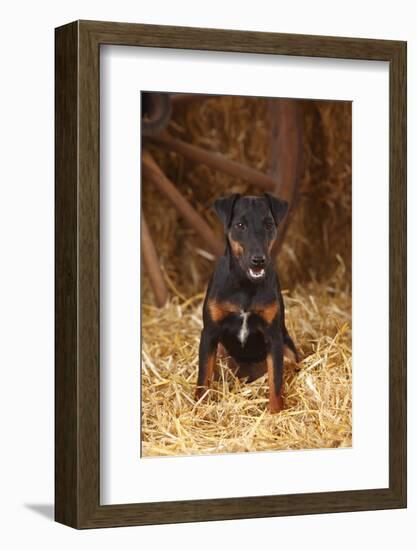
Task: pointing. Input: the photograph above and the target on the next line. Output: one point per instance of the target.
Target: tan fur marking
(271, 245)
(219, 310)
(237, 248)
(211, 364)
(276, 403)
(267, 312)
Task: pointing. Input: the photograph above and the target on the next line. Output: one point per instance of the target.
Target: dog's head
(250, 225)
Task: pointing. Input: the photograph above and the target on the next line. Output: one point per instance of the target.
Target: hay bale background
(315, 269)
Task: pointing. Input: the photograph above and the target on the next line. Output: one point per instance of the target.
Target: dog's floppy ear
(278, 207)
(224, 208)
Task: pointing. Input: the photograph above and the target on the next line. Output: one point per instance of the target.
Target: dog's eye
(269, 225)
(240, 226)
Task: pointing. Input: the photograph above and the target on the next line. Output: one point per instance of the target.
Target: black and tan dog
(243, 310)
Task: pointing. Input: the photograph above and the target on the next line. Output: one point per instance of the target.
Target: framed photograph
(230, 274)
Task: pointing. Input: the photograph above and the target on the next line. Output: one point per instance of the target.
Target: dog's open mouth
(256, 272)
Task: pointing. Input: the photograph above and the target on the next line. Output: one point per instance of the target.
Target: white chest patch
(243, 333)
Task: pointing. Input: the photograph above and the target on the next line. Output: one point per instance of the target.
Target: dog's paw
(199, 393)
(291, 355)
(276, 404)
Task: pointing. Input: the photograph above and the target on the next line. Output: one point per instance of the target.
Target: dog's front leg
(274, 361)
(206, 361)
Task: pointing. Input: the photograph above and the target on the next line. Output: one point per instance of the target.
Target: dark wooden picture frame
(77, 361)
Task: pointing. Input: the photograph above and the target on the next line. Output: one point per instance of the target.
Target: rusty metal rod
(186, 99)
(215, 160)
(193, 218)
(286, 156)
(153, 269)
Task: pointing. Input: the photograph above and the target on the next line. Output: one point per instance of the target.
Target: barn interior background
(308, 142)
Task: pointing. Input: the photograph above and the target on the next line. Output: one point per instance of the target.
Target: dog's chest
(241, 323)
(244, 325)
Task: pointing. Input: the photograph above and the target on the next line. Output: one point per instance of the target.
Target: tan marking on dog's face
(267, 312)
(219, 310)
(276, 403)
(271, 244)
(237, 248)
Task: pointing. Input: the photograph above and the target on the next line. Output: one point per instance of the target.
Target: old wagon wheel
(282, 179)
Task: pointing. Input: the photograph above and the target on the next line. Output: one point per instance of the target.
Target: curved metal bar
(158, 178)
(216, 161)
(156, 112)
(186, 99)
(286, 156)
(153, 269)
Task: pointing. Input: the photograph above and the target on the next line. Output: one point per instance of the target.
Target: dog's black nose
(258, 261)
